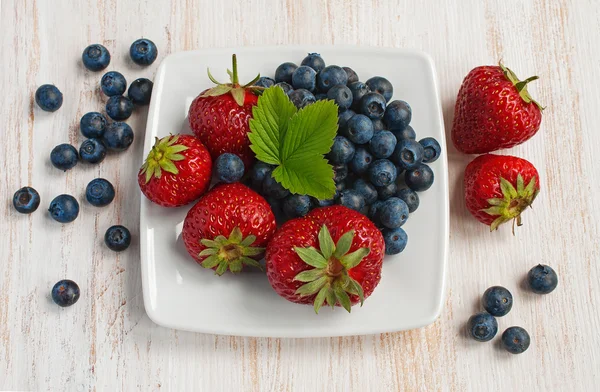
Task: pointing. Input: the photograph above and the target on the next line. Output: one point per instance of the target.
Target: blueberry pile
(378, 164)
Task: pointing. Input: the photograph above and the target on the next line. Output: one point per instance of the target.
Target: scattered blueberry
(26, 200)
(229, 168)
(378, 125)
(373, 213)
(286, 87)
(395, 240)
(113, 83)
(302, 98)
(331, 76)
(296, 205)
(341, 95)
(284, 72)
(393, 213)
(64, 156)
(482, 326)
(542, 279)
(99, 192)
(352, 76)
(408, 154)
(343, 118)
(258, 173)
(359, 129)
(64, 208)
(143, 51)
(95, 57)
(322, 203)
(117, 238)
(48, 97)
(397, 115)
(382, 86)
(274, 189)
(382, 144)
(119, 107)
(92, 151)
(410, 197)
(265, 81)
(352, 199)
(304, 77)
(314, 61)
(140, 91)
(65, 293)
(382, 172)
(342, 151)
(420, 178)
(497, 301)
(432, 149)
(366, 189)
(93, 124)
(385, 192)
(406, 133)
(340, 172)
(361, 161)
(516, 340)
(359, 90)
(372, 105)
(118, 136)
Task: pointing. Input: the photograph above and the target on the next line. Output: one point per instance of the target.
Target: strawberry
(228, 228)
(494, 111)
(333, 254)
(499, 187)
(177, 171)
(219, 116)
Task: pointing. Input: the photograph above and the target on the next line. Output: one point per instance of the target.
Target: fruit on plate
(228, 228)
(498, 188)
(219, 117)
(176, 172)
(493, 111)
(332, 255)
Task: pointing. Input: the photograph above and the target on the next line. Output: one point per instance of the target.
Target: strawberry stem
(234, 78)
(520, 85)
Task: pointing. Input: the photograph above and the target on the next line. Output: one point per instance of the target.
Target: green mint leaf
(313, 177)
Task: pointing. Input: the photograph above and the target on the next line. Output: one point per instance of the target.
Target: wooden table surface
(106, 342)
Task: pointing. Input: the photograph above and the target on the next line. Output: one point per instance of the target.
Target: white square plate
(179, 294)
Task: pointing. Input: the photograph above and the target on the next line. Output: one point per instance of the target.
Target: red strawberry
(333, 254)
(494, 111)
(498, 188)
(228, 228)
(177, 171)
(219, 117)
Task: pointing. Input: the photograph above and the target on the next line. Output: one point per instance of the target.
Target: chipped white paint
(106, 342)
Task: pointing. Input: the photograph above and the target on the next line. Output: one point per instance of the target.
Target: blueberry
(420, 178)
(140, 91)
(359, 129)
(372, 105)
(359, 90)
(373, 213)
(395, 240)
(48, 97)
(408, 154)
(265, 82)
(320, 96)
(118, 136)
(304, 78)
(143, 51)
(432, 149)
(361, 161)
(497, 301)
(119, 107)
(542, 279)
(296, 205)
(382, 172)
(351, 199)
(339, 187)
(26, 200)
(378, 125)
(64, 156)
(302, 98)
(482, 326)
(382, 86)
(341, 95)
(385, 192)
(113, 83)
(274, 189)
(117, 238)
(382, 144)
(406, 133)
(342, 151)
(229, 168)
(343, 118)
(95, 57)
(258, 173)
(99, 192)
(64, 208)
(65, 293)
(352, 76)
(287, 88)
(276, 208)
(284, 72)
(92, 151)
(410, 197)
(393, 213)
(93, 124)
(314, 61)
(516, 340)
(331, 76)
(340, 172)
(321, 203)
(366, 189)
(397, 115)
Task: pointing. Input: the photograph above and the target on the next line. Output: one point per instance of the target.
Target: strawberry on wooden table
(493, 111)
(176, 172)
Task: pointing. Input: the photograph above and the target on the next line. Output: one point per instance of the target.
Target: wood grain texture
(106, 341)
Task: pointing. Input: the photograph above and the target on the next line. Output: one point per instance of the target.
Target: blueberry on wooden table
(93, 125)
(113, 83)
(117, 238)
(64, 208)
(49, 98)
(497, 301)
(482, 326)
(516, 340)
(65, 293)
(143, 51)
(140, 91)
(118, 136)
(92, 151)
(26, 200)
(64, 156)
(95, 57)
(99, 192)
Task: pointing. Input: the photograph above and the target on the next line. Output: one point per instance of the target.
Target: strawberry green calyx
(161, 157)
(231, 253)
(329, 278)
(520, 85)
(234, 88)
(514, 202)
